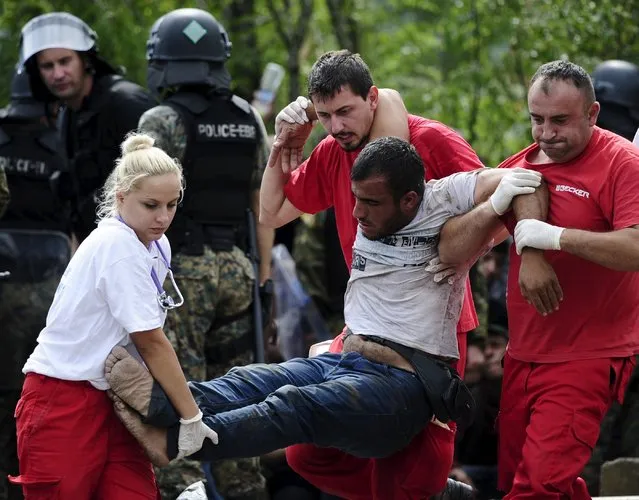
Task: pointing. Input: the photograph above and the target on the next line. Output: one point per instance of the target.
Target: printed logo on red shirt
(573, 190)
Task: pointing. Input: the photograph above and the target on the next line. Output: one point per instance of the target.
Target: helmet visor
(55, 31)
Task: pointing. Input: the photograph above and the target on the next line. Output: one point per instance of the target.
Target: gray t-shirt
(389, 293)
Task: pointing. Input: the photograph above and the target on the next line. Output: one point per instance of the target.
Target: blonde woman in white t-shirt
(70, 442)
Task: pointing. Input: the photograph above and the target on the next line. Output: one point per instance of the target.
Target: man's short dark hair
(337, 69)
(394, 159)
(567, 72)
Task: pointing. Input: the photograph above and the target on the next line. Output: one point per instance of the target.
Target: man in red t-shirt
(564, 368)
(345, 99)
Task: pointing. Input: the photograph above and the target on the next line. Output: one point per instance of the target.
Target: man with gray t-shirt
(394, 374)
(389, 294)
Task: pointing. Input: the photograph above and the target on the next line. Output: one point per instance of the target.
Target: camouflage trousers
(211, 333)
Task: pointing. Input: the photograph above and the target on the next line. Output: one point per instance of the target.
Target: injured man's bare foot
(152, 439)
(129, 380)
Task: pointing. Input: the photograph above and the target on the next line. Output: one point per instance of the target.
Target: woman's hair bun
(135, 142)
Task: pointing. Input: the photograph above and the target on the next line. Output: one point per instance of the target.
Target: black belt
(402, 350)
(447, 394)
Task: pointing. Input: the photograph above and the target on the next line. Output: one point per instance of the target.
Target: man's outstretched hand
(295, 112)
(293, 126)
(288, 147)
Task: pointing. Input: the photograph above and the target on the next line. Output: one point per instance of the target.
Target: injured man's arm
(463, 238)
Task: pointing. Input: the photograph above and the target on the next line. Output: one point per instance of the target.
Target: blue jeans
(344, 401)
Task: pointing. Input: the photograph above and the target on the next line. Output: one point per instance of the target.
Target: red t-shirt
(599, 316)
(324, 181)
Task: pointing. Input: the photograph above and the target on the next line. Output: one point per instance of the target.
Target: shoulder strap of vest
(49, 141)
(4, 137)
(241, 103)
(263, 142)
(112, 80)
(109, 83)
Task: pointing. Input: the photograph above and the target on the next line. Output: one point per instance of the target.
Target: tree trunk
(245, 64)
(344, 24)
(293, 33)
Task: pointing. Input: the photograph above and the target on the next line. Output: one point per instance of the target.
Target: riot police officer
(99, 107)
(30, 157)
(220, 140)
(34, 247)
(617, 90)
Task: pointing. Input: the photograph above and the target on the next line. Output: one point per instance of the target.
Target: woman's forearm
(162, 362)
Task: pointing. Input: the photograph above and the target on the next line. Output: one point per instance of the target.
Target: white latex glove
(441, 271)
(295, 112)
(517, 181)
(193, 432)
(319, 348)
(537, 234)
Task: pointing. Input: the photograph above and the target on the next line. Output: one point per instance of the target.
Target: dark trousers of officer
(8, 446)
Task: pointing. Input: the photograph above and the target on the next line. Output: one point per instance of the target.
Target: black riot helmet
(58, 30)
(22, 105)
(187, 47)
(617, 90)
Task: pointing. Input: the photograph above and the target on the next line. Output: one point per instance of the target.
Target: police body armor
(89, 149)
(29, 156)
(219, 163)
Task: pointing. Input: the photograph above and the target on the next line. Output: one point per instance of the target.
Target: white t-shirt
(390, 295)
(635, 141)
(105, 294)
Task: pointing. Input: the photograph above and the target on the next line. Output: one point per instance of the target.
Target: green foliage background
(463, 62)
